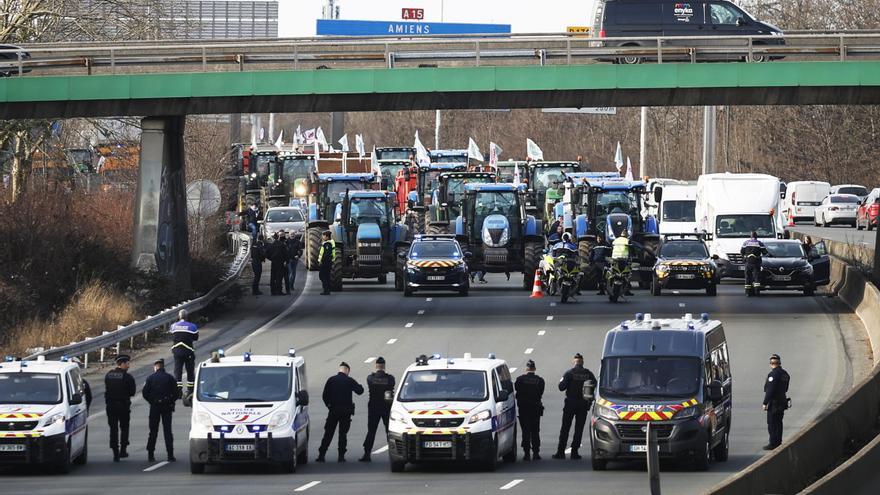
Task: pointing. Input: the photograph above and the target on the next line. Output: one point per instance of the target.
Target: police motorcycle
(566, 271)
(618, 271)
(549, 279)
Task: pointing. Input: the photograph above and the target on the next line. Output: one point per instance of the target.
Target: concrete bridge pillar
(161, 240)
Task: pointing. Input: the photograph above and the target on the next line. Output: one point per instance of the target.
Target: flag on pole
(309, 136)
(629, 169)
(298, 136)
(374, 162)
(262, 133)
(533, 152)
(494, 153)
(280, 142)
(343, 141)
(618, 158)
(320, 139)
(421, 152)
(359, 145)
(516, 178)
(474, 151)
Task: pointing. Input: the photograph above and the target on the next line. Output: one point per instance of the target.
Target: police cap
(160, 362)
(380, 360)
(776, 357)
(123, 358)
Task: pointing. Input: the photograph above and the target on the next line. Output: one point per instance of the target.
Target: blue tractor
(446, 199)
(327, 192)
(498, 233)
(367, 237)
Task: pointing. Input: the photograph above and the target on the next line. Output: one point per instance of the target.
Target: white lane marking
(676, 292)
(380, 450)
(552, 304)
(307, 486)
(156, 466)
(541, 332)
(429, 299)
(391, 341)
(421, 311)
(511, 484)
(529, 350)
(408, 325)
(680, 305)
(549, 318)
(513, 370)
(370, 359)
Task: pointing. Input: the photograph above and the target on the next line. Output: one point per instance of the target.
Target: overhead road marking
(380, 450)
(307, 486)
(409, 325)
(511, 484)
(156, 466)
(421, 311)
(369, 359)
(529, 350)
(391, 341)
(549, 318)
(541, 332)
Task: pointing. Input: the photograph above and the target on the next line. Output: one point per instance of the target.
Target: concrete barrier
(815, 451)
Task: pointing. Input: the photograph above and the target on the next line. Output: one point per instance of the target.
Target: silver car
(287, 218)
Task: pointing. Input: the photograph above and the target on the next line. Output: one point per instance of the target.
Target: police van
(453, 409)
(673, 374)
(250, 409)
(43, 414)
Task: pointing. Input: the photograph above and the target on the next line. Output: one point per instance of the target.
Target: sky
(297, 17)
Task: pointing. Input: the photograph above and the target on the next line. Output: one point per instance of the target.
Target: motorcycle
(616, 279)
(567, 274)
(549, 280)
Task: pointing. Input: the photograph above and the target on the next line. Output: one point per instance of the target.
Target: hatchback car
(787, 266)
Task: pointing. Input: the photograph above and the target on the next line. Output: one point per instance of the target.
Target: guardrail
(241, 244)
(482, 50)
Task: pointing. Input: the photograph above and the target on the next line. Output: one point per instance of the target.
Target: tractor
(415, 186)
(495, 228)
(256, 176)
(446, 200)
(544, 176)
(367, 237)
(289, 178)
(448, 156)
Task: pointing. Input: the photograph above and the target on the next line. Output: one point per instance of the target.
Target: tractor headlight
(690, 412)
(299, 190)
(607, 413)
(480, 416)
(505, 237)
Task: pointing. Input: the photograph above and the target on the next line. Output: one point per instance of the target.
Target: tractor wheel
(313, 247)
(584, 248)
(531, 254)
(418, 221)
(336, 273)
(436, 228)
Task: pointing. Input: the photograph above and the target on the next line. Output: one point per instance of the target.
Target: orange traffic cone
(790, 219)
(536, 289)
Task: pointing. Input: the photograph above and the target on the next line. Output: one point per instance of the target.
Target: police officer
(576, 406)
(378, 409)
(620, 253)
(277, 255)
(598, 263)
(529, 390)
(752, 250)
(326, 256)
(775, 401)
(119, 388)
(337, 398)
(184, 335)
(258, 256)
(160, 392)
(294, 251)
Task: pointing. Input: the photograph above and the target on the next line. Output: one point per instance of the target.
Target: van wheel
(511, 456)
(398, 466)
(492, 460)
(722, 450)
(289, 467)
(84, 455)
(701, 457)
(63, 466)
(630, 60)
(598, 464)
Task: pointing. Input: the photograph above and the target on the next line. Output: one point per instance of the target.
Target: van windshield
(444, 385)
(30, 388)
(743, 225)
(649, 377)
(244, 384)
(679, 211)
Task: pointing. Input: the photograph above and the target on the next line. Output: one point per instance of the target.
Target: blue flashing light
(491, 355)
(640, 317)
(704, 317)
(64, 359)
(10, 359)
(221, 353)
(247, 357)
(691, 325)
(624, 326)
(436, 355)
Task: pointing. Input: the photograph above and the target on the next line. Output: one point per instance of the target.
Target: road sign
(202, 198)
(578, 29)
(337, 27)
(408, 14)
(590, 110)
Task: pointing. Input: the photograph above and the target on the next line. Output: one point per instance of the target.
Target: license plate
(240, 447)
(782, 278)
(638, 448)
(12, 448)
(686, 276)
(437, 445)
(436, 277)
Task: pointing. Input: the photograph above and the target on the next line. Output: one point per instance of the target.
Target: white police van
(43, 414)
(250, 409)
(453, 409)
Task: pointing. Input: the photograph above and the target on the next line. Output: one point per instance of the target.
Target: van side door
(719, 369)
(683, 19)
(77, 412)
(301, 418)
(505, 410)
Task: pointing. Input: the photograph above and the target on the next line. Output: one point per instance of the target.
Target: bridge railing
(241, 244)
(451, 50)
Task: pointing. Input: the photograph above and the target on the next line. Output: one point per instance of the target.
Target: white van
(250, 409)
(802, 198)
(453, 409)
(678, 206)
(43, 414)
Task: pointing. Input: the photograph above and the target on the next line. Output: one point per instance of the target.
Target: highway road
(367, 320)
(841, 233)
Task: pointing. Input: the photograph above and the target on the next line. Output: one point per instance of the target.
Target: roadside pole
(709, 139)
(643, 144)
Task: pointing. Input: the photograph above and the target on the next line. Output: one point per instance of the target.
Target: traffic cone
(536, 288)
(790, 219)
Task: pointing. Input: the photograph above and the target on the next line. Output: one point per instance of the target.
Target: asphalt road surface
(841, 233)
(368, 320)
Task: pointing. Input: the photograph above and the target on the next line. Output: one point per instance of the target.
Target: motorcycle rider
(598, 262)
(620, 255)
(752, 250)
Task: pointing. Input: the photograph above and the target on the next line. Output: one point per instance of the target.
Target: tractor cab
(289, 177)
(390, 170)
(544, 176)
(446, 199)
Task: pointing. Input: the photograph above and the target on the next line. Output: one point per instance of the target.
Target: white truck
(678, 205)
(802, 198)
(732, 206)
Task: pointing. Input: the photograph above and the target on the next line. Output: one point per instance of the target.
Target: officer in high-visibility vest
(184, 335)
(326, 257)
(620, 253)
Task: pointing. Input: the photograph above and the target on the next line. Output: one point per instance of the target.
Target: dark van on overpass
(653, 18)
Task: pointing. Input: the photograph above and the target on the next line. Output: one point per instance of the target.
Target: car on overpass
(9, 56)
(837, 209)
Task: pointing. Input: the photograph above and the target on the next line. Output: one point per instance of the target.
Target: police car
(672, 373)
(453, 409)
(683, 262)
(435, 262)
(43, 414)
(250, 409)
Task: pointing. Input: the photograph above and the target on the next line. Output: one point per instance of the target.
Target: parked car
(836, 209)
(787, 266)
(868, 214)
(860, 191)
(287, 218)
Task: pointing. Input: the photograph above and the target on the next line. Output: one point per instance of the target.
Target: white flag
(374, 161)
(533, 151)
(618, 158)
(298, 136)
(474, 151)
(629, 169)
(280, 142)
(309, 136)
(494, 153)
(343, 141)
(516, 179)
(320, 139)
(359, 144)
(421, 152)
(253, 137)
(262, 133)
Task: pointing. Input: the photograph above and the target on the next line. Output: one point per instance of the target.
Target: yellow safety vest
(332, 255)
(620, 248)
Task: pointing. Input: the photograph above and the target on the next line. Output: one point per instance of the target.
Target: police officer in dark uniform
(752, 250)
(184, 335)
(160, 392)
(529, 390)
(337, 398)
(775, 400)
(576, 407)
(326, 256)
(258, 256)
(119, 388)
(277, 255)
(294, 251)
(378, 409)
